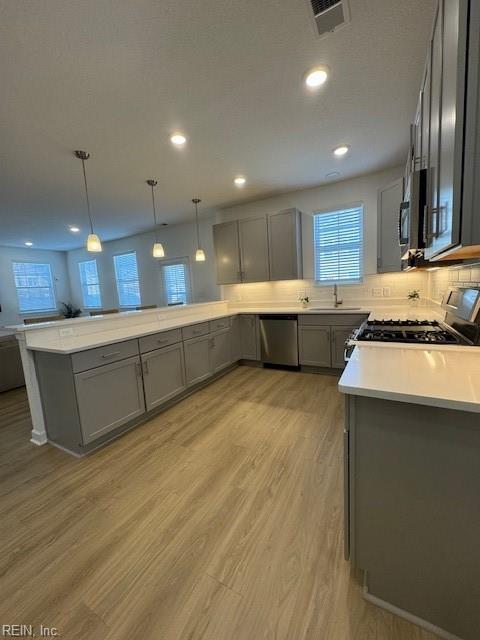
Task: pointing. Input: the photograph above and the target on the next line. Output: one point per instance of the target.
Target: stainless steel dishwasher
(279, 339)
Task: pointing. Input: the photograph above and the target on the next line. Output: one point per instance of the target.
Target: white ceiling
(116, 77)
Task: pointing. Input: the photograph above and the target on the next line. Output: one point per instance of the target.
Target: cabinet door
(235, 339)
(108, 397)
(197, 359)
(221, 354)
(254, 249)
(285, 245)
(227, 252)
(339, 336)
(425, 120)
(314, 346)
(445, 213)
(249, 337)
(388, 248)
(163, 375)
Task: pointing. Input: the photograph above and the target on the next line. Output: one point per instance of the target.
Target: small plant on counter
(414, 294)
(304, 299)
(69, 310)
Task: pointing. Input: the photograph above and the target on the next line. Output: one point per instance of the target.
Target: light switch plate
(65, 332)
(377, 292)
(386, 292)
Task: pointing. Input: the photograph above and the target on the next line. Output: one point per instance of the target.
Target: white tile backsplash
(440, 280)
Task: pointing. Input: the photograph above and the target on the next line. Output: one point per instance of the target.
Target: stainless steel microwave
(412, 212)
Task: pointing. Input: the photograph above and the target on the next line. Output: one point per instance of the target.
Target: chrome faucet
(337, 302)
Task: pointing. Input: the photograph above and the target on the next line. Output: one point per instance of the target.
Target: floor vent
(329, 15)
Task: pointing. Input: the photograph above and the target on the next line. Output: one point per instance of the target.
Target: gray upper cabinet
(388, 248)
(314, 345)
(253, 249)
(285, 245)
(249, 339)
(108, 397)
(163, 374)
(227, 252)
(221, 351)
(197, 359)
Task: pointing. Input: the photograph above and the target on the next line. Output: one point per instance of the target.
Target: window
(90, 284)
(126, 275)
(176, 282)
(338, 246)
(34, 285)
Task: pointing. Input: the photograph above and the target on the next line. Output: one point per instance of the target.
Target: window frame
(83, 286)
(52, 287)
(185, 260)
(137, 279)
(337, 209)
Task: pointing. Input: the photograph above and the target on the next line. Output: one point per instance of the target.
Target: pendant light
(200, 253)
(93, 241)
(158, 250)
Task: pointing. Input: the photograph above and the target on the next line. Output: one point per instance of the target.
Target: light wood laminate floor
(220, 519)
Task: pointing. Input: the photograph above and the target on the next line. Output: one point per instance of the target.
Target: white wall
(179, 241)
(8, 295)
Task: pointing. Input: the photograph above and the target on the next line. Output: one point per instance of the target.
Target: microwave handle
(403, 205)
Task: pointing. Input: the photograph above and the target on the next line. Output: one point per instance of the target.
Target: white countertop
(447, 377)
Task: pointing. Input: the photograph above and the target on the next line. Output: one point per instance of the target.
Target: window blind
(175, 281)
(34, 285)
(128, 283)
(90, 284)
(338, 246)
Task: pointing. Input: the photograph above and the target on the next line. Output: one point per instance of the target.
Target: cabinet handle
(111, 355)
(162, 341)
(211, 343)
(138, 369)
(145, 367)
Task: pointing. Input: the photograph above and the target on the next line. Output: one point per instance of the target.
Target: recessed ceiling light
(178, 139)
(28, 244)
(316, 77)
(74, 229)
(240, 181)
(341, 150)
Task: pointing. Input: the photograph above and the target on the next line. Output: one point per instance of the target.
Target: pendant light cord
(86, 194)
(154, 213)
(195, 202)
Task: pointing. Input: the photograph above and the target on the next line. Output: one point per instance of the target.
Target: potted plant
(414, 297)
(68, 310)
(304, 300)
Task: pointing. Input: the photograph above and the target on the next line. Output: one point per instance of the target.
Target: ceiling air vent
(329, 15)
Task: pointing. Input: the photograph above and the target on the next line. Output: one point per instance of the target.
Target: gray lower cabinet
(108, 397)
(197, 359)
(235, 343)
(339, 336)
(314, 345)
(163, 374)
(249, 339)
(11, 370)
(221, 350)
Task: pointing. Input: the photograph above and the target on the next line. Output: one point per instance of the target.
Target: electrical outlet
(65, 332)
(377, 292)
(386, 292)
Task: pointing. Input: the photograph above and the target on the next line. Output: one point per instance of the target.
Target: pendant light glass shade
(158, 250)
(200, 253)
(93, 243)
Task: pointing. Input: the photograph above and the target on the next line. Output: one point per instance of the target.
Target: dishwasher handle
(278, 316)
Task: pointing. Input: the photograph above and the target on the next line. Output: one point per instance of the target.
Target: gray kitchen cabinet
(314, 345)
(285, 245)
(163, 374)
(11, 370)
(221, 351)
(425, 115)
(253, 249)
(249, 338)
(235, 339)
(388, 248)
(339, 336)
(108, 397)
(197, 359)
(227, 252)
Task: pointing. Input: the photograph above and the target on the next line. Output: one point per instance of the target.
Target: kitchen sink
(339, 308)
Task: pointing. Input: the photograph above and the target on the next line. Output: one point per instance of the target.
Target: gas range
(408, 331)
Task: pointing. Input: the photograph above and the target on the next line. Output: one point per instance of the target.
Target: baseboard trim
(38, 439)
(420, 622)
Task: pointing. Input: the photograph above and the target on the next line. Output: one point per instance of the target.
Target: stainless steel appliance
(460, 327)
(279, 339)
(411, 218)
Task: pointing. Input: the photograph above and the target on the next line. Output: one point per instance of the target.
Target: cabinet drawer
(196, 330)
(103, 355)
(221, 323)
(159, 340)
(332, 319)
